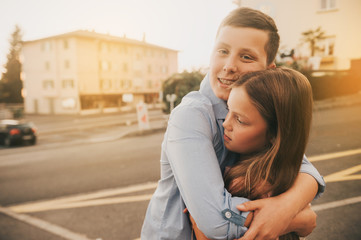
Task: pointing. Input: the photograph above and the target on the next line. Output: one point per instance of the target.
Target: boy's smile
(237, 50)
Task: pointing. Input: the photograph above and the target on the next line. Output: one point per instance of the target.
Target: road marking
(334, 155)
(344, 175)
(46, 226)
(90, 199)
(104, 197)
(335, 204)
(39, 207)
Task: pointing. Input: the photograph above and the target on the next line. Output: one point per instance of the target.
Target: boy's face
(237, 50)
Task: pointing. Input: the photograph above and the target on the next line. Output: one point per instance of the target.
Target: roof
(101, 36)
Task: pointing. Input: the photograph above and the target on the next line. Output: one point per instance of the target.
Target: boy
(193, 149)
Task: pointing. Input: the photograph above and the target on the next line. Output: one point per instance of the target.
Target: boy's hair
(251, 18)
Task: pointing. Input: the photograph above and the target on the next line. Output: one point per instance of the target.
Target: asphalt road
(96, 184)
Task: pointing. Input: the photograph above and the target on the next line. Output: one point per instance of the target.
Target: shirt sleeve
(190, 151)
(307, 167)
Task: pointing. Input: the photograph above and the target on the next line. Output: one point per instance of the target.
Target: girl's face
(245, 130)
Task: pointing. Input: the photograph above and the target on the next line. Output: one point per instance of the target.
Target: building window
(137, 57)
(47, 65)
(68, 103)
(326, 5)
(125, 67)
(105, 66)
(48, 84)
(68, 84)
(125, 50)
(105, 47)
(126, 83)
(67, 64)
(328, 46)
(105, 84)
(164, 69)
(46, 46)
(66, 44)
(149, 68)
(149, 84)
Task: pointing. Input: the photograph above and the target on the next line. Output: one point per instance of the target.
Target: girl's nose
(226, 123)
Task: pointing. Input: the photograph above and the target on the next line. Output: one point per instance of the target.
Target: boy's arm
(189, 148)
(273, 215)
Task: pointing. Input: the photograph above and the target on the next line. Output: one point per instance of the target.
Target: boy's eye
(222, 51)
(247, 57)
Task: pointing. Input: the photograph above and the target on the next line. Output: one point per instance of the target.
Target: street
(83, 183)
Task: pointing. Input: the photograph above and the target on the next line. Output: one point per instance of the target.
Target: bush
(180, 84)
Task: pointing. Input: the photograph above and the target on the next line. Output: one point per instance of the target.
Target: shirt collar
(219, 105)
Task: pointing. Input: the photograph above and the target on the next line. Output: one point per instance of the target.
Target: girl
(268, 125)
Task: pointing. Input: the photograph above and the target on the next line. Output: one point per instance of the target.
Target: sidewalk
(52, 124)
(342, 101)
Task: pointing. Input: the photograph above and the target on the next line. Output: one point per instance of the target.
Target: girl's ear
(272, 65)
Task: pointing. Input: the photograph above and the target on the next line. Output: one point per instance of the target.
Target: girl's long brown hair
(284, 99)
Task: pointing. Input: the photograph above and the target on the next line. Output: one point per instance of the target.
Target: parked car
(17, 132)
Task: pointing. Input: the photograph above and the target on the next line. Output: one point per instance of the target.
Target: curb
(336, 102)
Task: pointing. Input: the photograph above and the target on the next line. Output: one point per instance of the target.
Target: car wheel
(33, 141)
(7, 142)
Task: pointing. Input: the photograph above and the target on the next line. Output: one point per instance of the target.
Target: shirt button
(228, 215)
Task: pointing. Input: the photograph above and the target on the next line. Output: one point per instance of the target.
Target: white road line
(335, 204)
(88, 203)
(49, 227)
(78, 200)
(334, 155)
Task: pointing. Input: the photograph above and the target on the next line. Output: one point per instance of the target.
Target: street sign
(143, 117)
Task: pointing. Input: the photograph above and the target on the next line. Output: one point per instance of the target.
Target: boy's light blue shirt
(192, 152)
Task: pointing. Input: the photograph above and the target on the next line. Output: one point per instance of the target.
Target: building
(87, 72)
(339, 19)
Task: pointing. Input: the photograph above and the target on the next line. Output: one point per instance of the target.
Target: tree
(11, 83)
(312, 37)
(180, 84)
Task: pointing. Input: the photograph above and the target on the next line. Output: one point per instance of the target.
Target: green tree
(180, 84)
(312, 37)
(11, 83)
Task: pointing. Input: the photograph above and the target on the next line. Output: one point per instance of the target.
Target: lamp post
(171, 99)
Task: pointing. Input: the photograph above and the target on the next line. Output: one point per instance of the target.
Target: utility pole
(237, 2)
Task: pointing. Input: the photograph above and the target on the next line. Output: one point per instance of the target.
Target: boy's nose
(230, 66)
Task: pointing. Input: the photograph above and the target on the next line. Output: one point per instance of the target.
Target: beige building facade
(88, 72)
(340, 20)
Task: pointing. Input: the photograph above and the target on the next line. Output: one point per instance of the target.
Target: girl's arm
(304, 222)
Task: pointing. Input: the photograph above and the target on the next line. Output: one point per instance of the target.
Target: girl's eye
(240, 121)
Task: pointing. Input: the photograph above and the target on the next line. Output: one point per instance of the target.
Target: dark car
(17, 132)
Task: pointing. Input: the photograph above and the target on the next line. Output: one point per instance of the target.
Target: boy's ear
(272, 65)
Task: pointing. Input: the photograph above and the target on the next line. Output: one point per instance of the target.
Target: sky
(188, 26)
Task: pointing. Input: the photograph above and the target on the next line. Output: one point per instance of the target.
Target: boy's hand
(271, 217)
